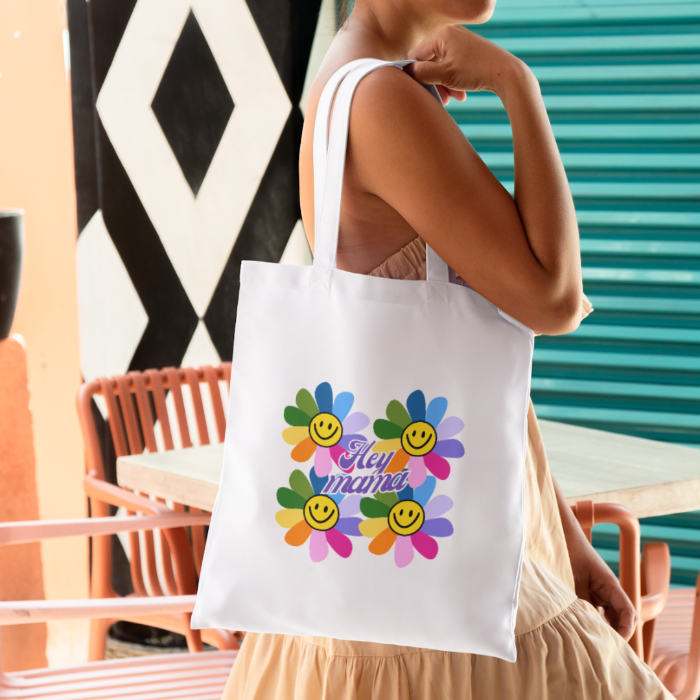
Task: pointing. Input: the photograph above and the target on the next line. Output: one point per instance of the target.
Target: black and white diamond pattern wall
(193, 104)
(186, 131)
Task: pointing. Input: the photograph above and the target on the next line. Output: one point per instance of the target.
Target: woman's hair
(345, 9)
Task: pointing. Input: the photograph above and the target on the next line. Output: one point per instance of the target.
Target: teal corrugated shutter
(620, 80)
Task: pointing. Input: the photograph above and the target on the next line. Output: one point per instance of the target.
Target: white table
(648, 477)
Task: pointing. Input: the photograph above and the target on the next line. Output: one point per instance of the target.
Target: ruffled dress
(565, 650)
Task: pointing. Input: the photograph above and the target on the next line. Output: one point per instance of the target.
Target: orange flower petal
(297, 535)
(383, 542)
(304, 450)
(398, 462)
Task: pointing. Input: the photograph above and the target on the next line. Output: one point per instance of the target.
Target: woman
(412, 177)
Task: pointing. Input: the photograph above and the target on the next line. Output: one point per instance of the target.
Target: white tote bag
(373, 477)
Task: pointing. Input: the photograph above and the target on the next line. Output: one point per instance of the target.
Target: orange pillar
(20, 565)
(36, 174)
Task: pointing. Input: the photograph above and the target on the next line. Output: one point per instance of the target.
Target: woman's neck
(391, 27)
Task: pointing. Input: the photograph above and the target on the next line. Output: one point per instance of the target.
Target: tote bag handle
(329, 164)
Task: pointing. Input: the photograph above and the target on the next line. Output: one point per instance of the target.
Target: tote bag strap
(328, 185)
(323, 118)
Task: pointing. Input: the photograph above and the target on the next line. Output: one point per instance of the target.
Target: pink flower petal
(322, 462)
(437, 465)
(416, 472)
(438, 506)
(336, 452)
(403, 551)
(449, 427)
(341, 544)
(318, 548)
(425, 544)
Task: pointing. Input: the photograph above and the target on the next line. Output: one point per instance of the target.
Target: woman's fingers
(429, 48)
(619, 611)
(459, 95)
(625, 614)
(427, 72)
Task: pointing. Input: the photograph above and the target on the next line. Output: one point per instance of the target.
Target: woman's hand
(593, 579)
(458, 61)
(597, 584)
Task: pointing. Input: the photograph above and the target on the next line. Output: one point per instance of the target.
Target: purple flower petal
(351, 506)
(449, 448)
(450, 427)
(354, 422)
(438, 506)
(349, 526)
(345, 441)
(439, 527)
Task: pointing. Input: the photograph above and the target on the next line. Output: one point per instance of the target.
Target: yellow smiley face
(321, 512)
(325, 430)
(419, 438)
(406, 518)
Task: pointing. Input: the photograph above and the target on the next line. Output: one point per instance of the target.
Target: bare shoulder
(392, 109)
(399, 132)
(391, 90)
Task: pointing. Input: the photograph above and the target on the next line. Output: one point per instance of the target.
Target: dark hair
(345, 10)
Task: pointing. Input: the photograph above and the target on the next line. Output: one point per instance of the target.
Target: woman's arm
(522, 254)
(594, 580)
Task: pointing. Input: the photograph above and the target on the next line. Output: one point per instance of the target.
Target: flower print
(322, 426)
(310, 514)
(408, 521)
(419, 437)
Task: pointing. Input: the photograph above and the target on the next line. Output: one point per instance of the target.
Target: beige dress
(565, 649)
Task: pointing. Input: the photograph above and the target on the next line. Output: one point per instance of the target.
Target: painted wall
(187, 127)
(36, 174)
(187, 124)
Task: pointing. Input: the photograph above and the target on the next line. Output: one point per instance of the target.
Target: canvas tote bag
(373, 478)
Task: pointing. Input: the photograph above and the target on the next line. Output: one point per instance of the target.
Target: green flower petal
(301, 484)
(386, 430)
(387, 498)
(295, 417)
(371, 508)
(307, 403)
(289, 499)
(396, 413)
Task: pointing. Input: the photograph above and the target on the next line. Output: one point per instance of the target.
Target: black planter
(10, 266)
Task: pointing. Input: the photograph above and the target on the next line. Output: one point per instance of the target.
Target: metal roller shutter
(620, 80)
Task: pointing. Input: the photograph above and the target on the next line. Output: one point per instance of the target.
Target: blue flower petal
(324, 397)
(436, 411)
(342, 405)
(424, 492)
(316, 481)
(416, 405)
(406, 494)
(337, 497)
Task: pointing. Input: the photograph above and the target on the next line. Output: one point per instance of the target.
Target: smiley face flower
(308, 513)
(408, 521)
(419, 437)
(321, 426)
